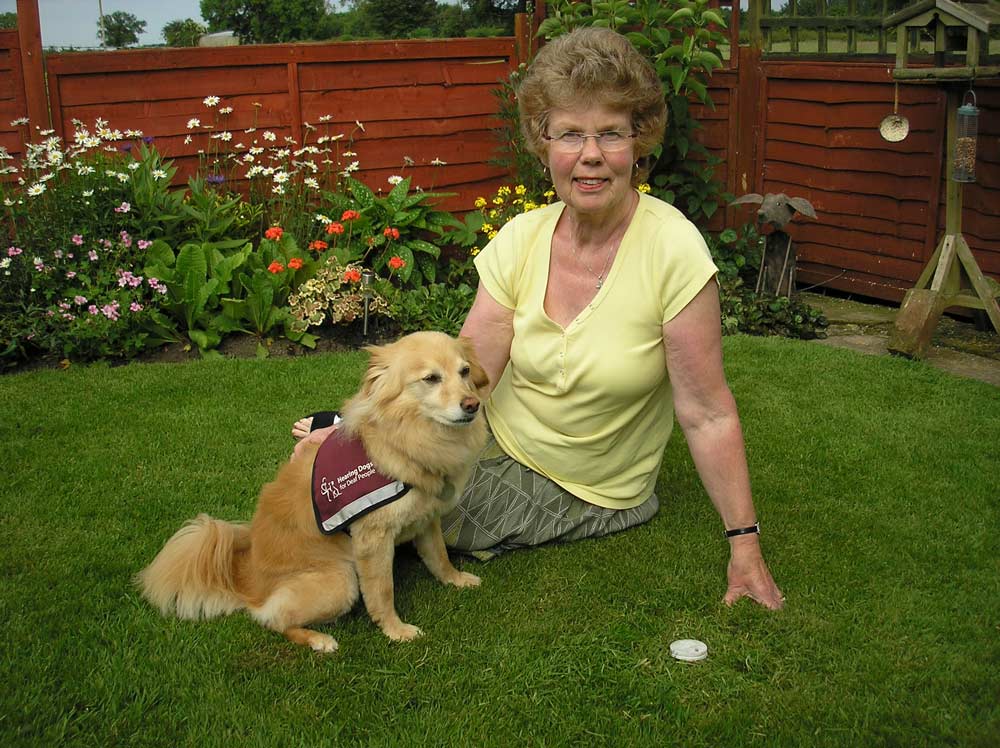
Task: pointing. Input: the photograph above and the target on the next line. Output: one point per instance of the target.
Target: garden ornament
(777, 266)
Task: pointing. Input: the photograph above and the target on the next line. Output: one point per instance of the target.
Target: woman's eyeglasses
(572, 142)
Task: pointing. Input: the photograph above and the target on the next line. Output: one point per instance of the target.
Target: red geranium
(396, 262)
(391, 233)
(350, 215)
(274, 233)
(276, 267)
(318, 246)
(353, 275)
(295, 263)
(335, 228)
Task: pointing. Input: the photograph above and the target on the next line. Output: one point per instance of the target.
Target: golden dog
(417, 415)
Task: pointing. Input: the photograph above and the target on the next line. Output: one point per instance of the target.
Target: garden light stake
(366, 294)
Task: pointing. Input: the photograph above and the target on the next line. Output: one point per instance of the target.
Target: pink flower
(135, 306)
(80, 300)
(70, 275)
(123, 208)
(77, 239)
(92, 254)
(92, 309)
(14, 251)
(110, 310)
(143, 244)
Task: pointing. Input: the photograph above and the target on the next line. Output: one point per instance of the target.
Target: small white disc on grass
(689, 650)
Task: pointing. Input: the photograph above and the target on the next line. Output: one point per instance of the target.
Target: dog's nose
(470, 405)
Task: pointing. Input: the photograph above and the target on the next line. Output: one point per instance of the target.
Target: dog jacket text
(346, 485)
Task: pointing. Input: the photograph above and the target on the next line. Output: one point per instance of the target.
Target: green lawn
(877, 487)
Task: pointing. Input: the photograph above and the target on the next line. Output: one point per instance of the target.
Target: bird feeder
(952, 278)
(963, 167)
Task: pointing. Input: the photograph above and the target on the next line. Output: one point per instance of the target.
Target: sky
(68, 23)
(74, 22)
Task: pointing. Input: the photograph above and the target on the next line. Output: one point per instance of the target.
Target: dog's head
(427, 372)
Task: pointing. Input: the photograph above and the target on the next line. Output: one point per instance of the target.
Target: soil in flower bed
(238, 345)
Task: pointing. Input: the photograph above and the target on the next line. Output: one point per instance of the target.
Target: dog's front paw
(465, 579)
(322, 643)
(402, 632)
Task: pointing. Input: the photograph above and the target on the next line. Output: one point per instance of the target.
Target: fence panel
(13, 103)
(879, 205)
(430, 102)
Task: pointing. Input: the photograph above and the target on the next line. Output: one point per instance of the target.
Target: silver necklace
(607, 259)
(599, 276)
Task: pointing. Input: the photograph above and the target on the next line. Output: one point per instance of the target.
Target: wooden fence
(13, 104)
(807, 128)
(425, 102)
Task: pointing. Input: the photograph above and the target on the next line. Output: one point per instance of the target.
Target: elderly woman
(597, 318)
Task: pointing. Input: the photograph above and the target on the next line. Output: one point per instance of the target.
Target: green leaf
(397, 196)
(713, 17)
(365, 197)
(679, 14)
(160, 253)
(419, 245)
(639, 41)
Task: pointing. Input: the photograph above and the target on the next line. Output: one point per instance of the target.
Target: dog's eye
(432, 378)
(465, 371)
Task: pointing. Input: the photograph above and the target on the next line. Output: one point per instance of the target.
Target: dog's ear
(379, 381)
(479, 376)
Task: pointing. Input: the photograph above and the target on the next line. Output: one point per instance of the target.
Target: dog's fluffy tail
(193, 575)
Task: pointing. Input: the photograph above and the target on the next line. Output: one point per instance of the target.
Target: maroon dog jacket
(346, 485)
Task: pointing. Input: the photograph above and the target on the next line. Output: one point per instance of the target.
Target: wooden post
(522, 39)
(29, 32)
(295, 103)
(755, 10)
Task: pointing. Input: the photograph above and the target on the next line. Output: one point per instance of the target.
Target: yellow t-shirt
(589, 405)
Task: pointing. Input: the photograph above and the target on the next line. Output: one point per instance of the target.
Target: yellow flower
(520, 189)
(491, 234)
(549, 194)
(480, 202)
(494, 213)
(529, 205)
(487, 228)
(475, 251)
(498, 200)
(503, 191)
(644, 187)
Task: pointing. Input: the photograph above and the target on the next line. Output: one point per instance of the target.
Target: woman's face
(596, 186)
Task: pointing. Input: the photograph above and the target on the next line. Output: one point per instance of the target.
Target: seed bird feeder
(952, 278)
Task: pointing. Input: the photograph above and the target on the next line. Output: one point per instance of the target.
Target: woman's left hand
(749, 576)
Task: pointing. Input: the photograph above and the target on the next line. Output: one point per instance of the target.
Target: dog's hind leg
(430, 545)
(309, 598)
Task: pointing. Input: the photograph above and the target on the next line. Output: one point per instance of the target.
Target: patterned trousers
(507, 506)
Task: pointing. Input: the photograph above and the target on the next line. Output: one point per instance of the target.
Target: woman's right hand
(312, 438)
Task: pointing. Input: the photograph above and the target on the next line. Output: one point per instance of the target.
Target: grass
(875, 480)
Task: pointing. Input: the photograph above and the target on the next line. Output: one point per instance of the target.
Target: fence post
(29, 32)
(522, 38)
(755, 9)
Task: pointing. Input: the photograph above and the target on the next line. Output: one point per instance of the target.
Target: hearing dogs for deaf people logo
(333, 489)
(346, 485)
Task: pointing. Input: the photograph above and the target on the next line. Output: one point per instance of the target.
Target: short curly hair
(593, 64)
